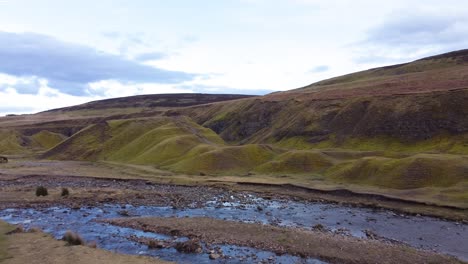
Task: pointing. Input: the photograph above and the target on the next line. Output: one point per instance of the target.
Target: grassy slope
(414, 107)
(47, 139)
(180, 145)
(400, 127)
(409, 123)
(13, 142)
(177, 144)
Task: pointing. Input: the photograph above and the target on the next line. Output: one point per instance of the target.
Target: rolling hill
(400, 127)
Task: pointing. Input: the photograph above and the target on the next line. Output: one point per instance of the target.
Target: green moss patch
(421, 170)
(47, 139)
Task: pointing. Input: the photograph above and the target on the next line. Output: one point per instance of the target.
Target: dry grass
(39, 248)
(322, 245)
(73, 239)
(41, 191)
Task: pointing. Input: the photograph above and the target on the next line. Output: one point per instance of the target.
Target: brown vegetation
(39, 248)
(322, 245)
(73, 239)
(41, 191)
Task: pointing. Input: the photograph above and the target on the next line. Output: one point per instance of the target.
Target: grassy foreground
(40, 248)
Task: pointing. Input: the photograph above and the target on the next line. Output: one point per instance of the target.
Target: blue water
(57, 221)
(418, 231)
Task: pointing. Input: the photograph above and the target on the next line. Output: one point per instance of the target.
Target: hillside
(414, 107)
(18, 130)
(152, 101)
(398, 130)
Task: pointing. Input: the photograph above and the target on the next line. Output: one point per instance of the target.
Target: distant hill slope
(69, 120)
(174, 143)
(153, 101)
(180, 145)
(398, 128)
(418, 106)
(437, 73)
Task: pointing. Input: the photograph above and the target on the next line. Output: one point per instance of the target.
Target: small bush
(73, 239)
(41, 191)
(65, 192)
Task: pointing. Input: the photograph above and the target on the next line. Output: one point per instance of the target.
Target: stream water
(418, 231)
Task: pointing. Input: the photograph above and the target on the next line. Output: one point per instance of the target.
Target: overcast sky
(56, 53)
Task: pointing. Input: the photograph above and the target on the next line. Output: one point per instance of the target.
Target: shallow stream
(418, 231)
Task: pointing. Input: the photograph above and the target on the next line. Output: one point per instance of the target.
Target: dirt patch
(304, 243)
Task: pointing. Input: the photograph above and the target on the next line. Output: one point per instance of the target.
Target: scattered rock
(214, 256)
(370, 234)
(124, 213)
(320, 228)
(189, 246)
(154, 244)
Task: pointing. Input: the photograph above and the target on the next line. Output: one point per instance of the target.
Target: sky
(56, 53)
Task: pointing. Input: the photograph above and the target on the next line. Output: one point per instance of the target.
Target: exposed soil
(326, 246)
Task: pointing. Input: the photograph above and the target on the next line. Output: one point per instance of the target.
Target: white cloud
(114, 88)
(13, 102)
(245, 45)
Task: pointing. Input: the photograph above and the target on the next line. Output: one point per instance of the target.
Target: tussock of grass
(73, 239)
(41, 191)
(65, 192)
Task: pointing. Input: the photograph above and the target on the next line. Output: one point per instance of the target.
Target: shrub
(65, 192)
(41, 191)
(73, 239)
